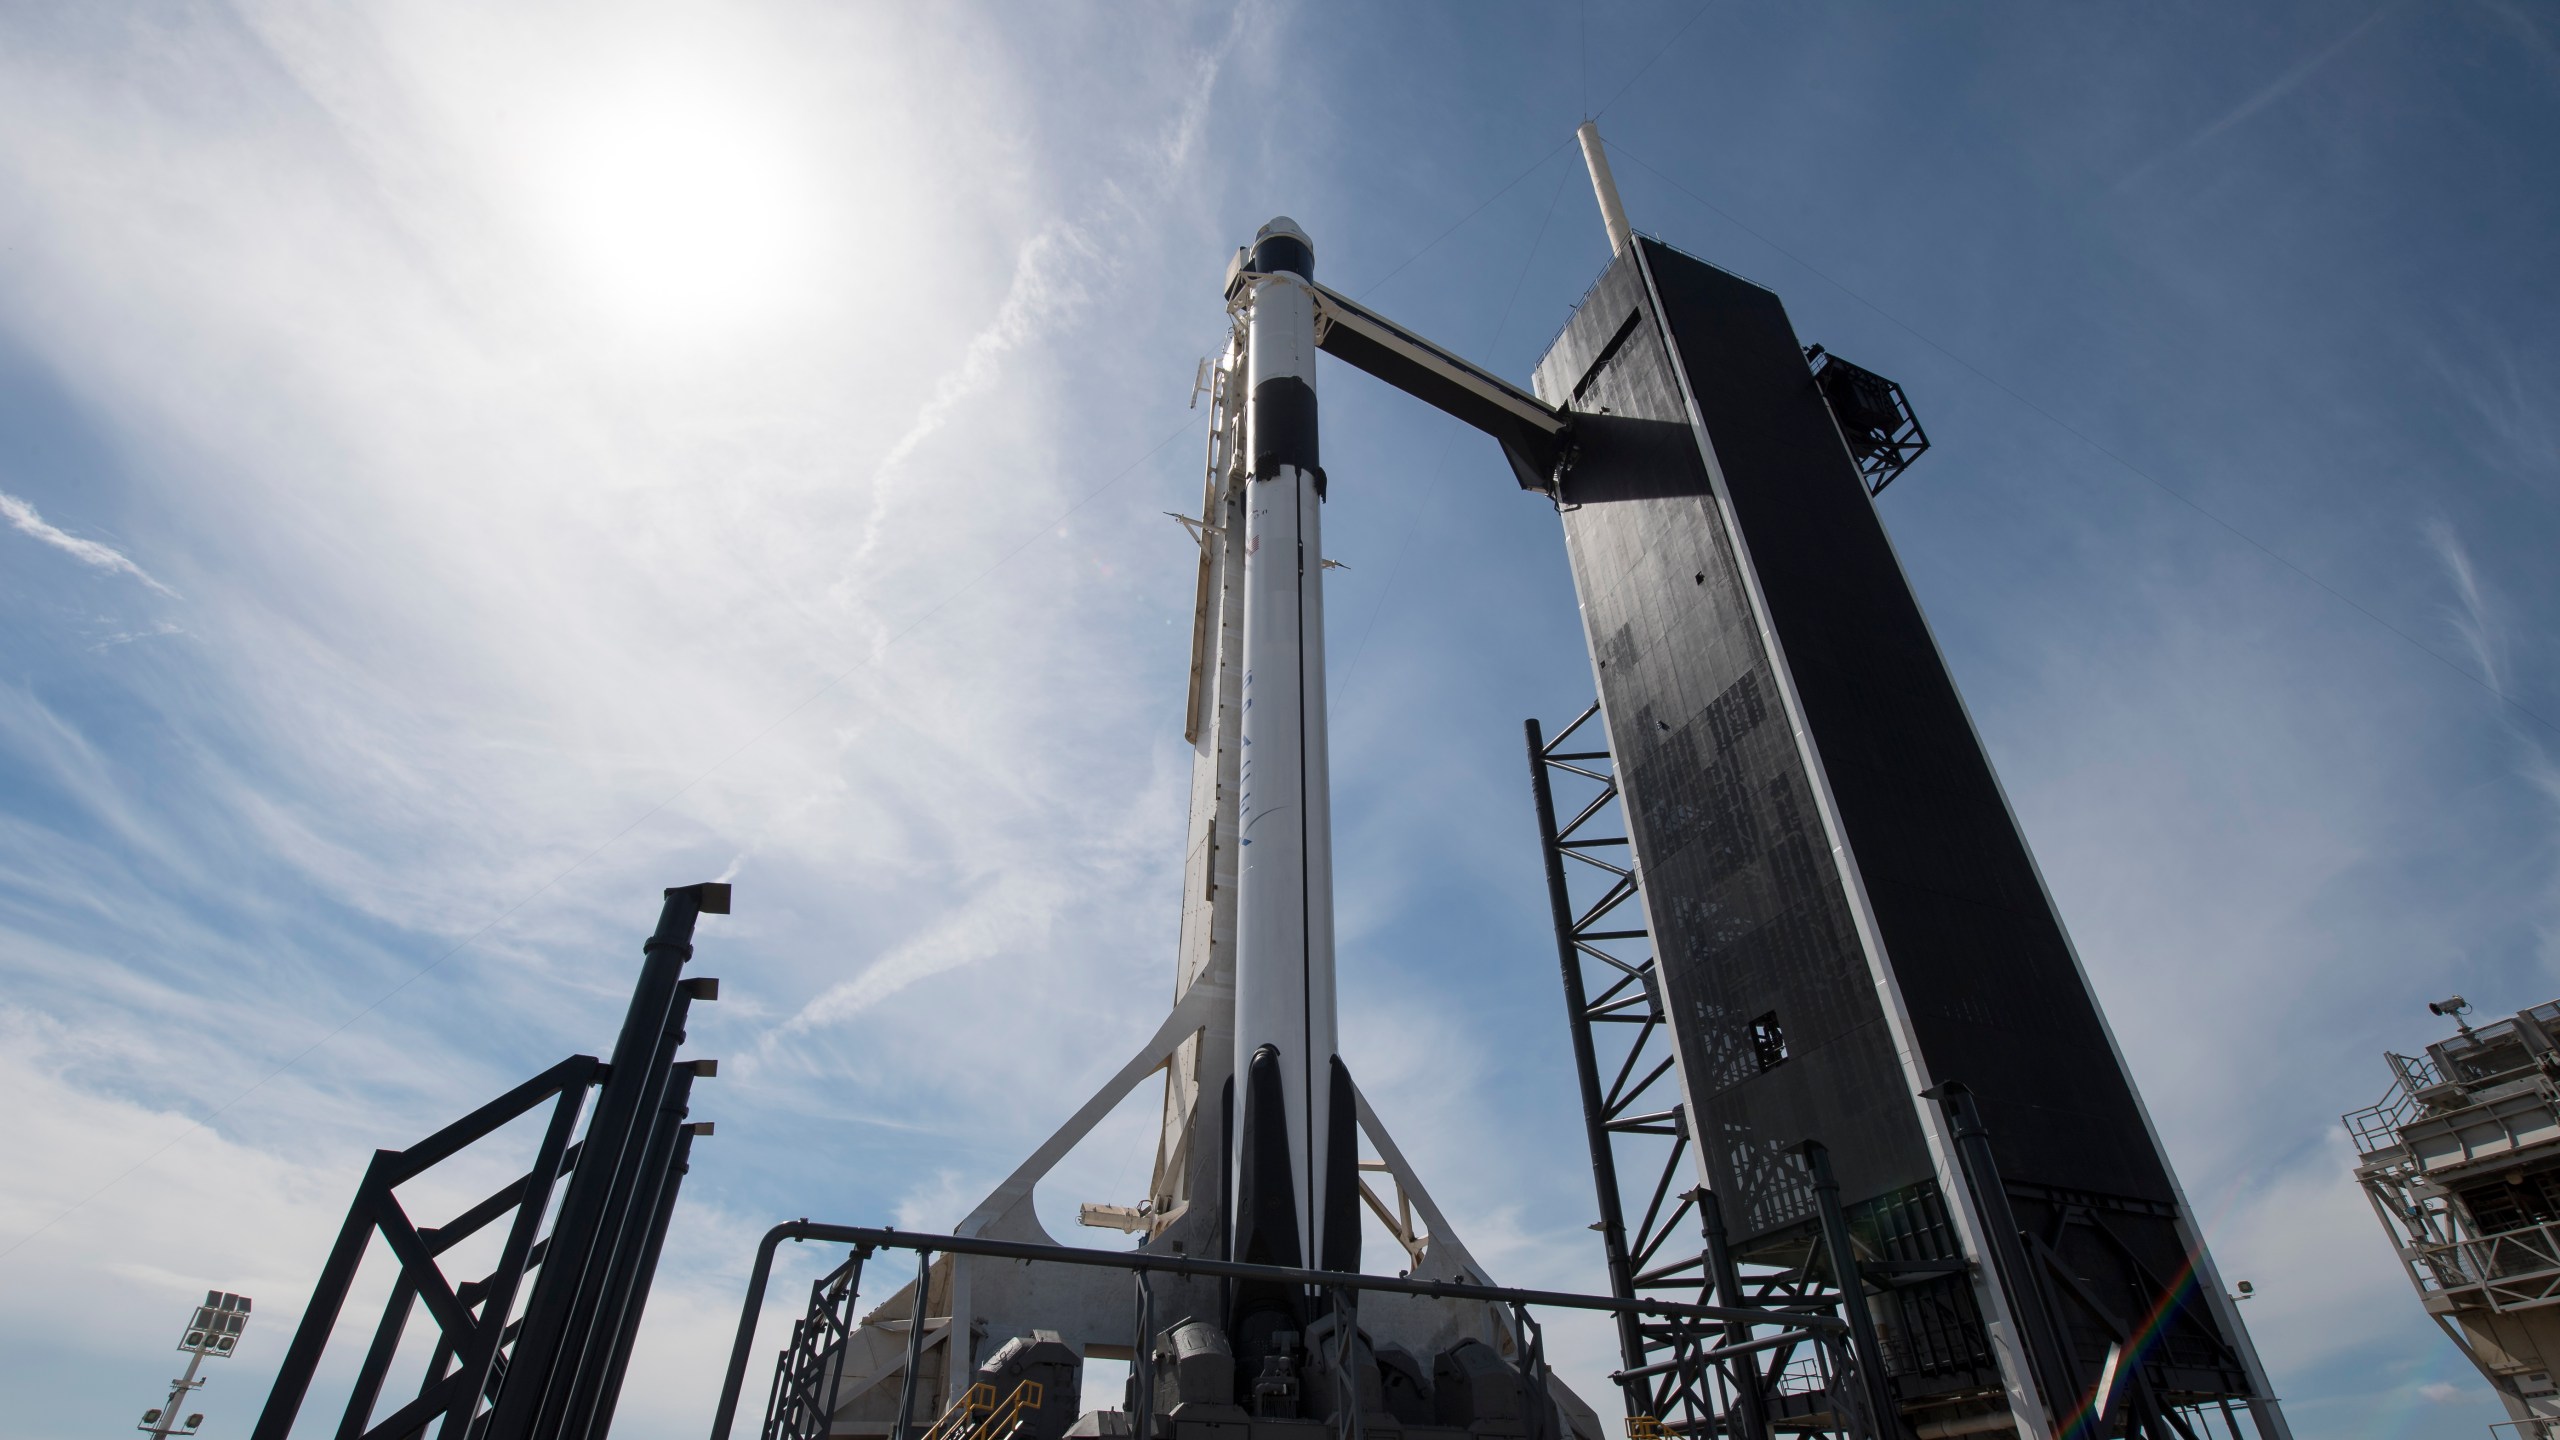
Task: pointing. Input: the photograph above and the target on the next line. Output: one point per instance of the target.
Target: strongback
(1842, 906)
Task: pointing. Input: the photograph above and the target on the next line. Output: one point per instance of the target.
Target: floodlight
(212, 1331)
(215, 1327)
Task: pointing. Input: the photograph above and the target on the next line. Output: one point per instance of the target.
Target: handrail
(2377, 1126)
(954, 1423)
(1026, 1396)
(867, 1238)
(2466, 1262)
(981, 1396)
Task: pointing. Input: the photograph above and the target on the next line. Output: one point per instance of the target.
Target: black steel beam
(544, 1367)
(606, 1240)
(2048, 1355)
(1874, 1387)
(1586, 1068)
(628, 1276)
(678, 1165)
(328, 1298)
(1751, 1397)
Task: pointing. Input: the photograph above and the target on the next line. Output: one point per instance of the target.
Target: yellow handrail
(1026, 1396)
(955, 1424)
(954, 1421)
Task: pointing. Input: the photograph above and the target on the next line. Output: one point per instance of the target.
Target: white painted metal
(1284, 903)
(1605, 186)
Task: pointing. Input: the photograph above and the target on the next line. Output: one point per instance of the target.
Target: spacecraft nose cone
(1281, 245)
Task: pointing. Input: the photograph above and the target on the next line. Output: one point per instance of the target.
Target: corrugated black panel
(1747, 909)
(1780, 1032)
(1994, 996)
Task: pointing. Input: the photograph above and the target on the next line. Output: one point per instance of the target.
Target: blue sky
(468, 467)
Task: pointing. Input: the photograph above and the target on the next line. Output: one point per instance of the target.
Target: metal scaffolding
(552, 1367)
(1679, 1373)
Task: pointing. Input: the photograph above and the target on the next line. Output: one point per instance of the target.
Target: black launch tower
(1850, 941)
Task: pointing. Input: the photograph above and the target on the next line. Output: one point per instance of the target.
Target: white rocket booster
(1290, 1207)
(1273, 1174)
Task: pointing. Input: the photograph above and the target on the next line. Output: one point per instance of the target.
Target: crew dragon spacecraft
(1896, 1102)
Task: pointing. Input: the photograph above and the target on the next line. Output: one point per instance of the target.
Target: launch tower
(1844, 938)
(2461, 1159)
(1904, 1156)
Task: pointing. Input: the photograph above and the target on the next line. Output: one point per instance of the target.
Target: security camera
(2452, 1005)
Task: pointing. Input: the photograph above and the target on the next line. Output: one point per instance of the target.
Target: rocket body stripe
(1284, 905)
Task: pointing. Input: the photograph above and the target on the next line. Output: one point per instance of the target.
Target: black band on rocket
(1284, 425)
(1277, 254)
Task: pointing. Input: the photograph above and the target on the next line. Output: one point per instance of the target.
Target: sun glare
(677, 208)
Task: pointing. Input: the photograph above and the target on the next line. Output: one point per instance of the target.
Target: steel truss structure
(809, 1370)
(1901, 1261)
(818, 1338)
(1875, 417)
(1679, 1374)
(552, 1366)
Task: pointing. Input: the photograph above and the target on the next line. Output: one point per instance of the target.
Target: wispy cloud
(484, 590)
(1008, 918)
(23, 517)
(1055, 273)
(2274, 90)
(2474, 617)
(2481, 636)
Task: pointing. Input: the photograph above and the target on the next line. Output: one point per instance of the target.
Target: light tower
(213, 1331)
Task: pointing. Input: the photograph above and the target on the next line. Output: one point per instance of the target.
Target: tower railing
(2376, 1127)
(2513, 1269)
(1786, 1330)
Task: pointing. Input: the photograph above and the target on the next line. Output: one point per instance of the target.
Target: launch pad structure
(1836, 1054)
(1867, 1161)
(2461, 1160)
